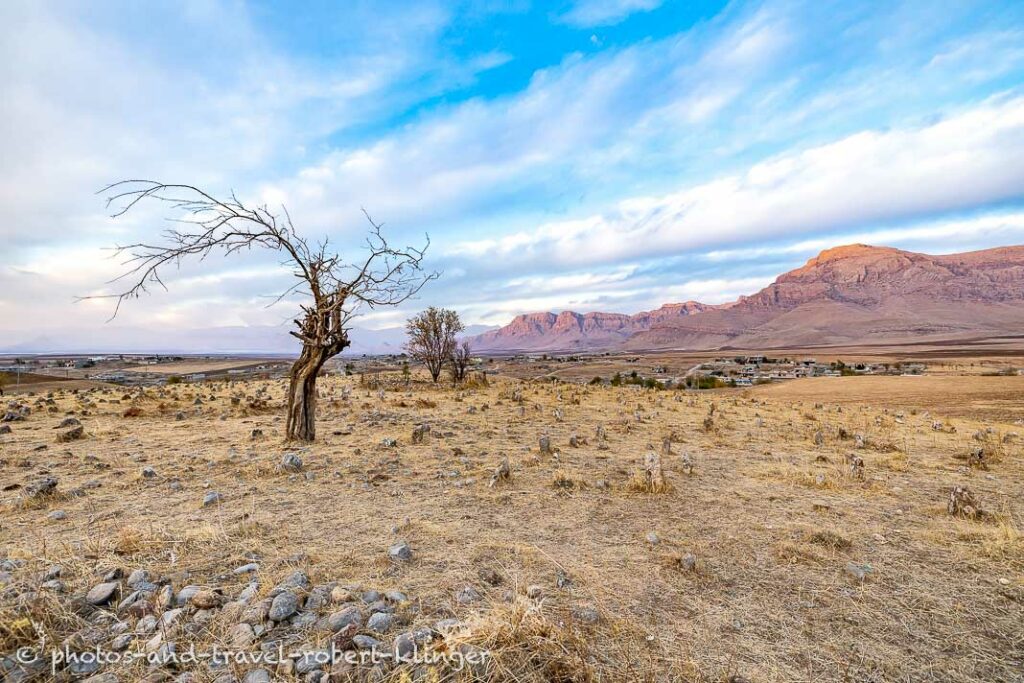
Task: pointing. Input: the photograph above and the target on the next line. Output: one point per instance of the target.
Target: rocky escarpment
(850, 294)
(571, 330)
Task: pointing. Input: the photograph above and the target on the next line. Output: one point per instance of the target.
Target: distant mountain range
(256, 339)
(854, 294)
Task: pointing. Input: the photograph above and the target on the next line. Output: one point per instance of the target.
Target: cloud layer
(629, 154)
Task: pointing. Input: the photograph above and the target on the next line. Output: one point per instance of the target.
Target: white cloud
(590, 13)
(971, 158)
(951, 234)
(606, 164)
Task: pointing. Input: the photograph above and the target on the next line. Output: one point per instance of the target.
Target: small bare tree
(432, 338)
(461, 357)
(335, 289)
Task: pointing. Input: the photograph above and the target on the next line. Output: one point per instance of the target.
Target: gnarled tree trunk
(301, 424)
(336, 288)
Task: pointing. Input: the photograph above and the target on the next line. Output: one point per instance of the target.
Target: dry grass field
(969, 396)
(190, 366)
(802, 531)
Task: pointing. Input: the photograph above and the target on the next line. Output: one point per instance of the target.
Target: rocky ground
(515, 531)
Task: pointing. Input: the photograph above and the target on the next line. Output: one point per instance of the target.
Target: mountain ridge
(845, 294)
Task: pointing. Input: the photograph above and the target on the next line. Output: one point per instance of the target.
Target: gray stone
(249, 592)
(586, 614)
(121, 643)
(401, 552)
(405, 646)
(366, 642)
(41, 487)
(170, 618)
(445, 626)
(102, 678)
(291, 463)
(246, 569)
(466, 595)
(137, 577)
(688, 562)
(73, 434)
(380, 622)
(313, 661)
(212, 498)
(283, 606)
(86, 665)
(297, 579)
(257, 676)
(304, 620)
(241, 636)
(186, 594)
(147, 624)
(101, 594)
(342, 618)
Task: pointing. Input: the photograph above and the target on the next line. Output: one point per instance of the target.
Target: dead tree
(460, 359)
(431, 338)
(334, 290)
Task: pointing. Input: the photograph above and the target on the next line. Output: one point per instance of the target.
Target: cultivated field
(802, 533)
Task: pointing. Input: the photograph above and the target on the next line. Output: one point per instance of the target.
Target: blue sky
(593, 155)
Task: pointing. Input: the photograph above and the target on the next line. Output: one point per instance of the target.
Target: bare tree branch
(337, 289)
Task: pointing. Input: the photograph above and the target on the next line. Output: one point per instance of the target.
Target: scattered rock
(688, 562)
(101, 594)
(585, 614)
(41, 487)
(291, 463)
(257, 676)
(502, 473)
(241, 636)
(366, 642)
(207, 599)
(400, 552)
(72, 434)
(339, 620)
(962, 503)
(381, 622)
(466, 595)
(419, 433)
(284, 605)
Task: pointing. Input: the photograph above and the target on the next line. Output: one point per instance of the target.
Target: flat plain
(803, 531)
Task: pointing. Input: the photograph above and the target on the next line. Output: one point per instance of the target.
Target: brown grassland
(767, 556)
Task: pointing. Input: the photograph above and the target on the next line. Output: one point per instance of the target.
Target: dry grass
(772, 526)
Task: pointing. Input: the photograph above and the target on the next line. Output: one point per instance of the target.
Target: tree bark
(301, 424)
